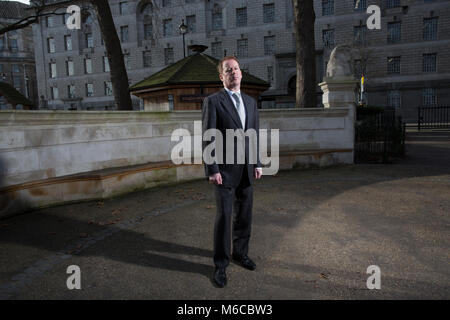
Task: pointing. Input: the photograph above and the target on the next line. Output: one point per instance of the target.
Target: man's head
(230, 73)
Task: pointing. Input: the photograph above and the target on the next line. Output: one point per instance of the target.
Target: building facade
(405, 63)
(17, 65)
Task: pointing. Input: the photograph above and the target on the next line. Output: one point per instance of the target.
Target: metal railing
(379, 137)
(433, 117)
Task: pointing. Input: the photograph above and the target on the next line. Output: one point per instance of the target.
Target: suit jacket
(219, 113)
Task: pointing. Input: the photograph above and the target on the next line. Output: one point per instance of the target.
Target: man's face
(231, 75)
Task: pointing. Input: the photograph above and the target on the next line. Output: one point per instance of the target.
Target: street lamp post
(183, 30)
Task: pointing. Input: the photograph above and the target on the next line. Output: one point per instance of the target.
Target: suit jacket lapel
(229, 106)
(248, 110)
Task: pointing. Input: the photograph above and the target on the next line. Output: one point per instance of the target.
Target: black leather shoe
(220, 277)
(245, 262)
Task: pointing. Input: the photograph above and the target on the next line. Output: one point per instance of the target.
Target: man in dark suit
(231, 109)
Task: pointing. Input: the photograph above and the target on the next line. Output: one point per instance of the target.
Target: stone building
(17, 65)
(406, 63)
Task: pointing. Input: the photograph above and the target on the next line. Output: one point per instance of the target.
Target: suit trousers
(241, 199)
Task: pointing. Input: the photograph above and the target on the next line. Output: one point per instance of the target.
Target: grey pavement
(315, 233)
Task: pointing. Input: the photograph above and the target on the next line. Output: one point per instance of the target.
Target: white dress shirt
(230, 93)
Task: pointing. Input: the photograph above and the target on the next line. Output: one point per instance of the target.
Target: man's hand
(258, 173)
(216, 178)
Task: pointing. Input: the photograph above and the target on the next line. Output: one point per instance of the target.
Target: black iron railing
(433, 117)
(379, 137)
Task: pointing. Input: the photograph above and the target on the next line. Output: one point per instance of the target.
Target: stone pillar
(339, 91)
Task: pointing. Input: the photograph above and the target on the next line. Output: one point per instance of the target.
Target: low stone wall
(49, 157)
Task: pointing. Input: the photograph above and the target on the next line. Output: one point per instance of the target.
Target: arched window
(87, 18)
(144, 20)
(147, 9)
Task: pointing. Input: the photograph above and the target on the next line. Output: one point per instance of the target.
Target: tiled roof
(12, 95)
(195, 69)
(13, 10)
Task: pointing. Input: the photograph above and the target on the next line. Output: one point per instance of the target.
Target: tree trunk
(119, 77)
(304, 19)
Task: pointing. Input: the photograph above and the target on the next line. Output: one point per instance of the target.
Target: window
(52, 70)
(430, 27)
(168, 56)
(88, 19)
(124, 34)
(54, 93)
(89, 40)
(127, 61)
(429, 62)
(123, 8)
(15, 68)
(167, 27)
(65, 17)
(88, 65)
(89, 90)
(359, 69)
(108, 88)
(394, 99)
(270, 74)
(148, 31)
(393, 65)
(394, 32)
(269, 45)
(69, 68)
(191, 23)
(359, 35)
(2, 43)
(71, 91)
(13, 45)
(68, 43)
(429, 97)
(217, 19)
(49, 21)
(147, 9)
(328, 38)
(190, 1)
(327, 7)
(166, 3)
(51, 45)
(360, 5)
(242, 48)
(241, 17)
(392, 3)
(16, 82)
(147, 58)
(216, 49)
(269, 13)
(105, 64)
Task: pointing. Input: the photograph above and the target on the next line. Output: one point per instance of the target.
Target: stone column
(340, 92)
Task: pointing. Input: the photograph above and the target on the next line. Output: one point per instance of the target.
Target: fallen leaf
(83, 235)
(323, 275)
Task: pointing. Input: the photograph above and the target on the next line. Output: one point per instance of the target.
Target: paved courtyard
(315, 232)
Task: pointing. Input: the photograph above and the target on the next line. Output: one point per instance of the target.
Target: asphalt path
(315, 233)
